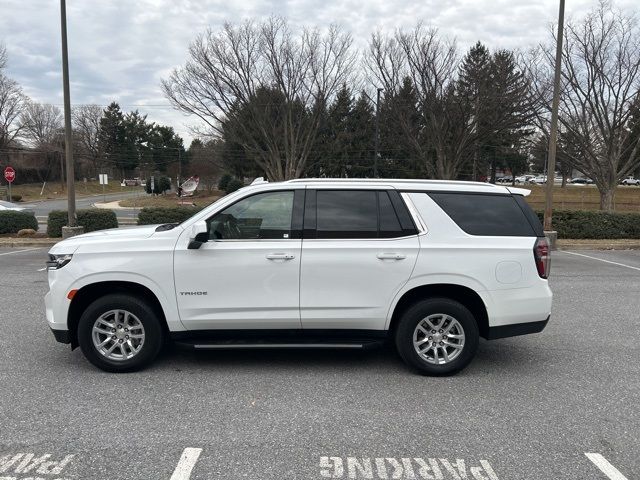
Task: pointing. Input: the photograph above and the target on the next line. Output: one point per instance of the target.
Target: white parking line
(602, 260)
(605, 467)
(21, 251)
(185, 465)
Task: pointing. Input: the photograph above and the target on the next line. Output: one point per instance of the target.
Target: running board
(279, 345)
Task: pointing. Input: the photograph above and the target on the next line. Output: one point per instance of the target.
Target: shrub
(55, 221)
(92, 219)
(224, 181)
(16, 198)
(97, 219)
(156, 215)
(233, 185)
(579, 224)
(12, 221)
(160, 185)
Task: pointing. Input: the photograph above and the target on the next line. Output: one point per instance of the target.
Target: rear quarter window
(486, 215)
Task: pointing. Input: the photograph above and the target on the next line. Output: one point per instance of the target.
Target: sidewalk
(115, 205)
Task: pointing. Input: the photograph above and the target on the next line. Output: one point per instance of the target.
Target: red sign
(9, 174)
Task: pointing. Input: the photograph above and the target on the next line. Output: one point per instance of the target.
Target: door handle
(391, 256)
(280, 256)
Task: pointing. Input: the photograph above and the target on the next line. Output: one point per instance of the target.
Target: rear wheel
(437, 336)
(120, 333)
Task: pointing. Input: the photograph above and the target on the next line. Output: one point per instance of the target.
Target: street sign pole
(9, 176)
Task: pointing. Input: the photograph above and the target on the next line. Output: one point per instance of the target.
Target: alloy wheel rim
(438, 339)
(118, 335)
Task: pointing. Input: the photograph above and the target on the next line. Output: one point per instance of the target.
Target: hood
(70, 245)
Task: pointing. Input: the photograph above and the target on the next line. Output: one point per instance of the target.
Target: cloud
(121, 49)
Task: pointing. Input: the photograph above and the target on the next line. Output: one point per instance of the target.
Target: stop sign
(9, 174)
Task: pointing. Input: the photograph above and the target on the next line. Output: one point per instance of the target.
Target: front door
(247, 275)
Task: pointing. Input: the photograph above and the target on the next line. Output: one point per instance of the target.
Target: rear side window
(486, 215)
(356, 214)
(347, 214)
(389, 223)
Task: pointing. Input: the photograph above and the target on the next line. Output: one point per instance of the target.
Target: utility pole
(71, 228)
(179, 168)
(375, 158)
(553, 134)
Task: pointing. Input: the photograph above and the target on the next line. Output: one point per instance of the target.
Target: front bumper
(62, 336)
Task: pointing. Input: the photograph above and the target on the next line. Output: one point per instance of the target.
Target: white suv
(428, 265)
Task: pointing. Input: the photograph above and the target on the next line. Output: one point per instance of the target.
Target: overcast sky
(120, 49)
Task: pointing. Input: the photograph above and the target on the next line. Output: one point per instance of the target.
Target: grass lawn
(572, 197)
(171, 200)
(53, 190)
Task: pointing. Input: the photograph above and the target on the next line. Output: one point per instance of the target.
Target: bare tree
(430, 62)
(12, 100)
(41, 124)
(86, 125)
(227, 70)
(600, 83)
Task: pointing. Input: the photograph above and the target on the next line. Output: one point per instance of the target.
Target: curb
(28, 242)
(598, 246)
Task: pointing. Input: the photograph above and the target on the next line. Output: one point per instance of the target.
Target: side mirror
(199, 235)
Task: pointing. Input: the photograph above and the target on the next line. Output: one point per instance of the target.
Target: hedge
(156, 215)
(579, 224)
(233, 185)
(92, 219)
(12, 221)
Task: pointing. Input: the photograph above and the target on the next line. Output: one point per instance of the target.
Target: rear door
(359, 249)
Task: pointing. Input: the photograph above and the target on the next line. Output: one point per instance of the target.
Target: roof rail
(392, 180)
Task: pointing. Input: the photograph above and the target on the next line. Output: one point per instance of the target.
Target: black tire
(421, 310)
(153, 340)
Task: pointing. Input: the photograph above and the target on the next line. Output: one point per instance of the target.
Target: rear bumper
(62, 336)
(516, 329)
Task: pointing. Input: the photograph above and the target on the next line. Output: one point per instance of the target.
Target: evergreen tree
(112, 134)
(474, 86)
(362, 128)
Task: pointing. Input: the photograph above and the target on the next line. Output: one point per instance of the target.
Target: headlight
(58, 261)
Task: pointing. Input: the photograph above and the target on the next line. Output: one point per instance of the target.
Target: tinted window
(262, 216)
(389, 223)
(347, 214)
(490, 215)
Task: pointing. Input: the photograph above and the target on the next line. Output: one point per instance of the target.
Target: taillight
(542, 255)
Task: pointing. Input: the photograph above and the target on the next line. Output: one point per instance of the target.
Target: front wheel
(120, 333)
(437, 336)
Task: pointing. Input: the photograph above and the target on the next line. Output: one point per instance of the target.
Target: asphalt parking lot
(527, 408)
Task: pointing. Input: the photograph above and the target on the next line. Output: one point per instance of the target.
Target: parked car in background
(4, 206)
(539, 180)
(631, 181)
(505, 179)
(523, 179)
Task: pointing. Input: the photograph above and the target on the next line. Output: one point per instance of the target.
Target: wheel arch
(465, 295)
(91, 292)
